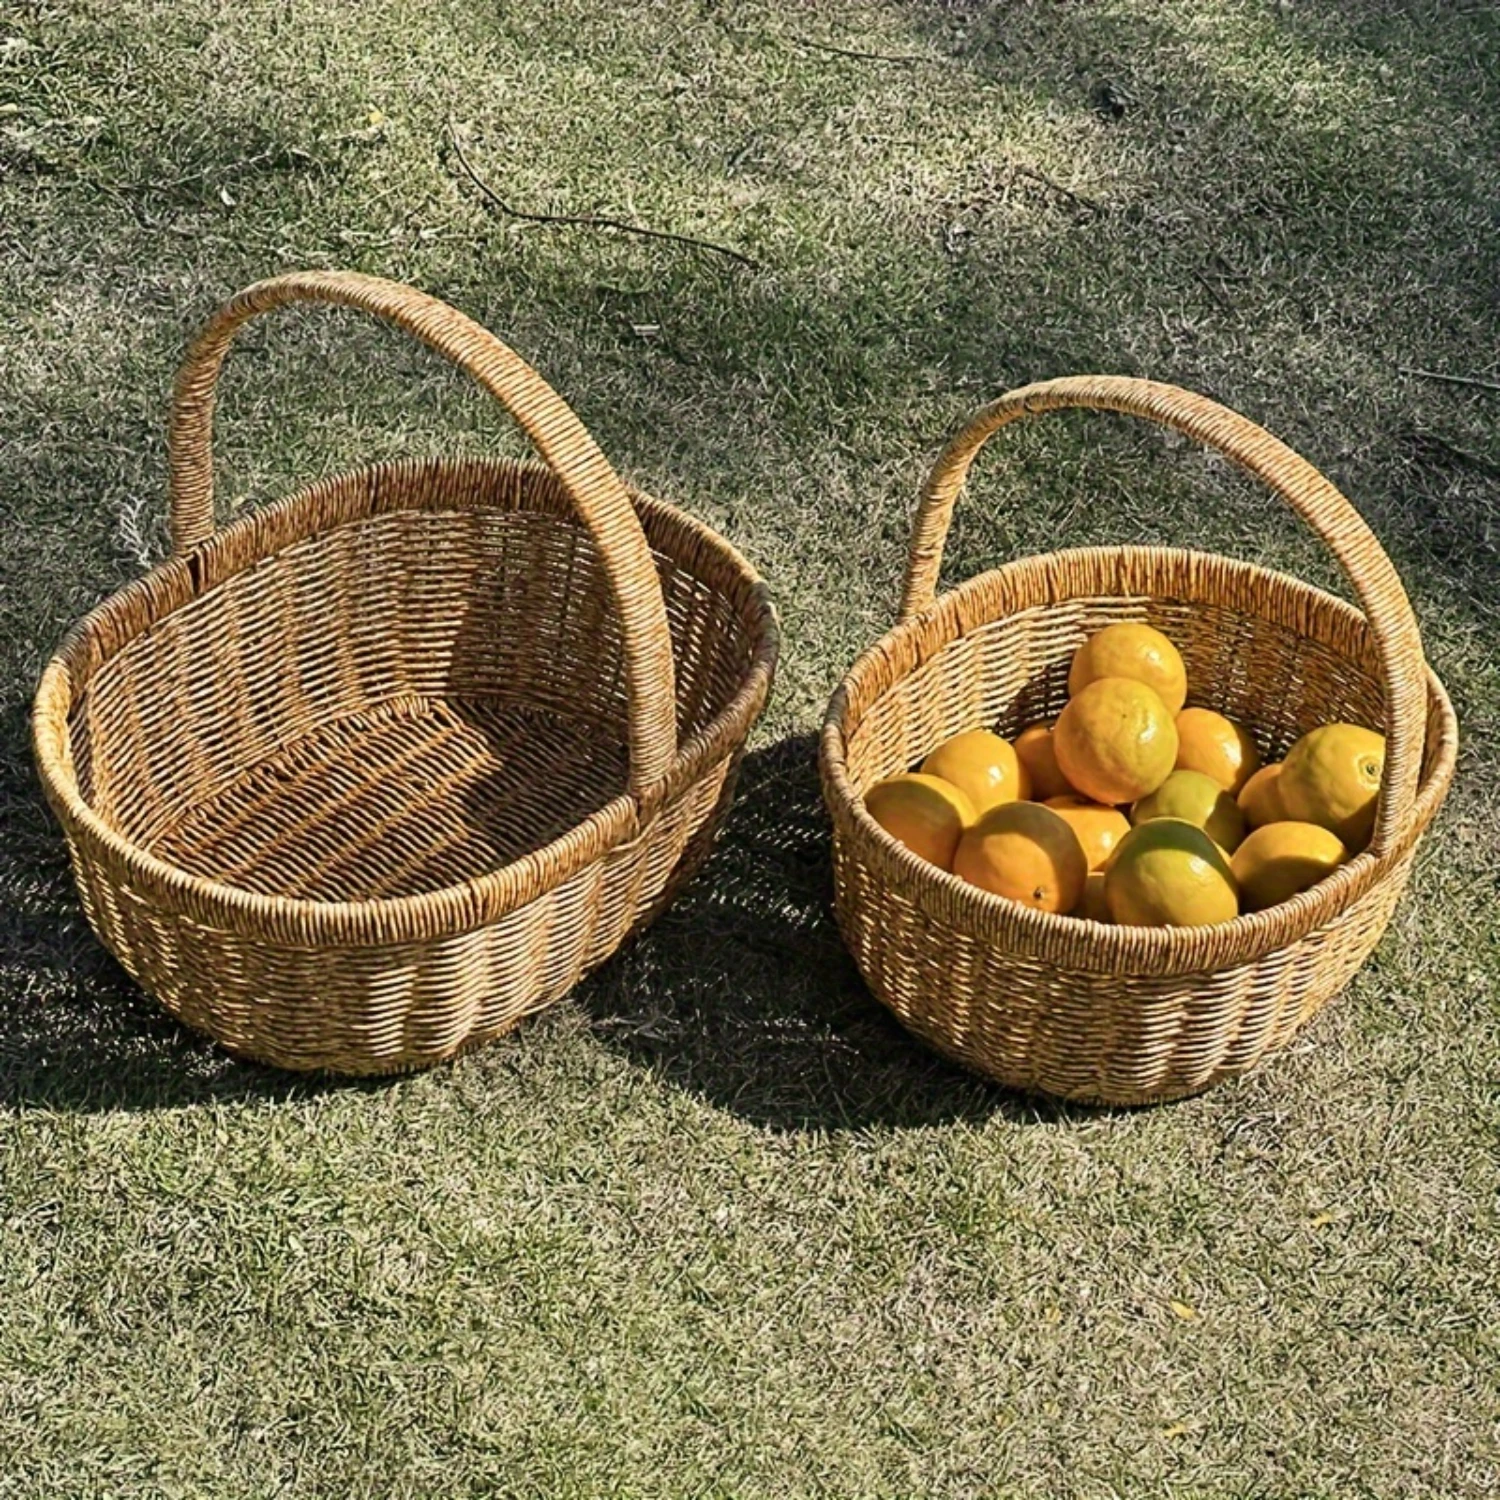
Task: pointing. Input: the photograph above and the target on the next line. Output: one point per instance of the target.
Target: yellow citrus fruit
(1093, 907)
(1280, 859)
(1260, 797)
(1197, 799)
(1134, 651)
(1217, 746)
(925, 813)
(1331, 777)
(1025, 851)
(1115, 740)
(1037, 753)
(1168, 873)
(1098, 828)
(982, 766)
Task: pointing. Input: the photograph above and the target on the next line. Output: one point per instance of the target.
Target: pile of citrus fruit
(1131, 808)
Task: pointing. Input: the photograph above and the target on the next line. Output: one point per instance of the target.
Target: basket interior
(1273, 654)
(426, 690)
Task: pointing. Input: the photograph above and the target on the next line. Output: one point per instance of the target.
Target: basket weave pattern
(368, 775)
(1072, 1008)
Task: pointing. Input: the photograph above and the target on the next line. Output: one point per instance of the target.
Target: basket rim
(1105, 946)
(448, 910)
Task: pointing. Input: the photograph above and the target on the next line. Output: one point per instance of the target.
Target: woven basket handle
(1295, 480)
(561, 439)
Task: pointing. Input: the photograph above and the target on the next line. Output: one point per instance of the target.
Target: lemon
(925, 813)
(1038, 754)
(1098, 828)
(1115, 740)
(984, 767)
(1280, 859)
(1208, 742)
(1197, 799)
(1027, 852)
(1331, 777)
(1260, 797)
(1169, 873)
(1135, 651)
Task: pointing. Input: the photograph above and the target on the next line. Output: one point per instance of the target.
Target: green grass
(715, 1226)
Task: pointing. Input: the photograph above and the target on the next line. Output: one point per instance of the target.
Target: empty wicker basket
(366, 776)
(1074, 1008)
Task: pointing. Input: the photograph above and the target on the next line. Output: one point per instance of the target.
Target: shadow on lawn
(75, 1032)
(743, 993)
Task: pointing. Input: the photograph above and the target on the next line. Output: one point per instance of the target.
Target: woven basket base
(412, 796)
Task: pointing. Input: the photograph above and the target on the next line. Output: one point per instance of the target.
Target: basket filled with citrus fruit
(1111, 824)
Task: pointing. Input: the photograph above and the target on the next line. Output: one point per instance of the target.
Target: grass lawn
(715, 1226)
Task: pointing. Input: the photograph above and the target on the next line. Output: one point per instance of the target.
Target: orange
(1279, 860)
(1038, 754)
(1025, 851)
(1115, 740)
(1168, 873)
(925, 813)
(1217, 746)
(1098, 828)
(1093, 907)
(1331, 777)
(1196, 799)
(1260, 797)
(982, 766)
(1135, 651)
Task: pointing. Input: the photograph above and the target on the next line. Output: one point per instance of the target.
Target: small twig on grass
(585, 221)
(1091, 204)
(886, 57)
(1472, 380)
(1214, 292)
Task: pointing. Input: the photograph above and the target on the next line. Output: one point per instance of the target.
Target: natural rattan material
(1074, 1008)
(366, 776)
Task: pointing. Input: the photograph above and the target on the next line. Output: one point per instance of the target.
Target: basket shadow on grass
(743, 994)
(76, 1033)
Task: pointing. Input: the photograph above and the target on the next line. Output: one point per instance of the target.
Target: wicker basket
(1079, 1009)
(365, 777)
